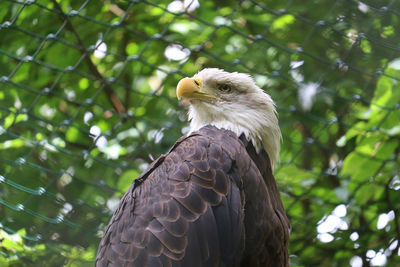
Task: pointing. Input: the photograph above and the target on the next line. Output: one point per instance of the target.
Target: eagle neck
(263, 163)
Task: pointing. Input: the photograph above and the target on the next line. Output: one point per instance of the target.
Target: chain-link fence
(87, 100)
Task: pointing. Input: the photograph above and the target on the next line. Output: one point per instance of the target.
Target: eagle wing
(187, 208)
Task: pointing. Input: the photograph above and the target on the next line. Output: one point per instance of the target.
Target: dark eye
(224, 87)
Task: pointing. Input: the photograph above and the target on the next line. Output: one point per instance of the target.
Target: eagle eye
(224, 87)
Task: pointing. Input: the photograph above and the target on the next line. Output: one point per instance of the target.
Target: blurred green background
(87, 101)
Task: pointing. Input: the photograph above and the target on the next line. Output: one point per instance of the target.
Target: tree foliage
(87, 100)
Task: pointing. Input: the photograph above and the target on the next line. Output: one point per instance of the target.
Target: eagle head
(232, 101)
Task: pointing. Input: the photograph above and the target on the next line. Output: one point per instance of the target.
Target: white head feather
(246, 109)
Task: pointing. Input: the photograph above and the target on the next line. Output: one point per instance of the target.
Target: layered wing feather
(190, 207)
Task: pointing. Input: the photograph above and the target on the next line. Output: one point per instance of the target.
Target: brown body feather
(211, 201)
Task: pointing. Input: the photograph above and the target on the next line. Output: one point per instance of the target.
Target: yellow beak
(188, 87)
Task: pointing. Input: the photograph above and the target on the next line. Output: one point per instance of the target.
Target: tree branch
(112, 97)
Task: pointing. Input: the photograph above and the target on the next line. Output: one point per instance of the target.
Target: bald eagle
(212, 199)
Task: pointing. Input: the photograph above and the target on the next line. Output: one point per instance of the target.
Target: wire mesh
(87, 102)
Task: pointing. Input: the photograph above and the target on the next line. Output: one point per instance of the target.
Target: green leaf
(15, 143)
(132, 49)
(359, 167)
(365, 46)
(72, 134)
(12, 119)
(388, 30)
(282, 22)
(84, 83)
(298, 179)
